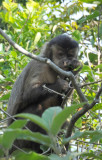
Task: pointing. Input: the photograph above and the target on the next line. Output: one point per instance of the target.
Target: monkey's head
(63, 51)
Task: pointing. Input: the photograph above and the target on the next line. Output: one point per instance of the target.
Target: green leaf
(29, 156)
(78, 123)
(89, 17)
(37, 38)
(18, 124)
(85, 69)
(61, 118)
(6, 5)
(93, 57)
(11, 134)
(1, 147)
(82, 20)
(5, 97)
(50, 114)
(92, 134)
(31, 6)
(74, 155)
(98, 66)
(77, 35)
(56, 157)
(35, 136)
(91, 1)
(36, 119)
(93, 155)
(92, 16)
(9, 137)
(97, 107)
(96, 137)
(14, 54)
(100, 30)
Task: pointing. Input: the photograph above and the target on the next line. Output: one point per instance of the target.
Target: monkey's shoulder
(39, 72)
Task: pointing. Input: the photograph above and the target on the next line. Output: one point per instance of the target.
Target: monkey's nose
(68, 66)
(65, 63)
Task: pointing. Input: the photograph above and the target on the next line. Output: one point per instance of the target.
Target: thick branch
(50, 63)
(80, 113)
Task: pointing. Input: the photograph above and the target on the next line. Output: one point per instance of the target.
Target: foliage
(31, 24)
(56, 114)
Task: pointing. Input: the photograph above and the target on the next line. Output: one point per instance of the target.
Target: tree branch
(49, 62)
(80, 113)
(90, 83)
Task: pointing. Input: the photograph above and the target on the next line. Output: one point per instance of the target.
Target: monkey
(28, 94)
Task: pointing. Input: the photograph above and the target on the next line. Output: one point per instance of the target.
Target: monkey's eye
(70, 56)
(61, 54)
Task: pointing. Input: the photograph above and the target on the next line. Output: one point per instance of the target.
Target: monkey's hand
(63, 85)
(77, 67)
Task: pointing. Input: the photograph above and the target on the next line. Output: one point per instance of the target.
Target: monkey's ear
(46, 51)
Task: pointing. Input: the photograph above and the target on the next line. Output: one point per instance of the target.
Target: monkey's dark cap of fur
(64, 41)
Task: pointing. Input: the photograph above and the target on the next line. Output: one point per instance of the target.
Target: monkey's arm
(36, 93)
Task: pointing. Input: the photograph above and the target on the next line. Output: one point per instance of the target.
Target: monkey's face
(66, 59)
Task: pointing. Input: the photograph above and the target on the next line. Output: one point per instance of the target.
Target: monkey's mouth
(68, 68)
(73, 69)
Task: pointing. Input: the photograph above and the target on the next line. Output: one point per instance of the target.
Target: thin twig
(90, 83)
(89, 142)
(12, 117)
(51, 90)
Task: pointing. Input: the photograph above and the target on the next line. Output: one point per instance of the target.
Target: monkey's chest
(46, 75)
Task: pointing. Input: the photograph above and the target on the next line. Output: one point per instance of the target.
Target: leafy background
(30, 24)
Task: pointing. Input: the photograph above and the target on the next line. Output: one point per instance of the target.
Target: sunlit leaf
(85, 69)
(74, 24)
(97, 107)
(6, 5)
(37, 38)
(31, 5)
(5, 97)
(91, 1)
(78, 123)
(14, 54)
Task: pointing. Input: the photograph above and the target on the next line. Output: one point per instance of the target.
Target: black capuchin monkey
(28, 94)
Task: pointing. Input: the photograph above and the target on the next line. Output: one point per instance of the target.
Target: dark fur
(28, 95)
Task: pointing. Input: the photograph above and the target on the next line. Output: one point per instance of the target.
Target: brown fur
(28, 94)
